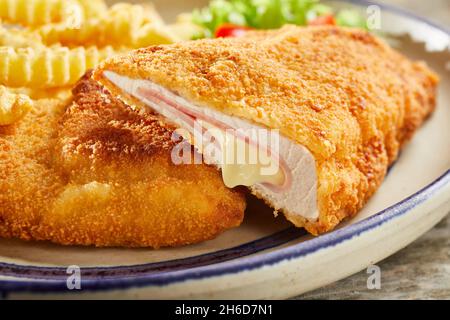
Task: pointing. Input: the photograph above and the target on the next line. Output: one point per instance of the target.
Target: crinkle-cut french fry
(32, 13)
(124, 24)
(13, 106)
(86, 34)
(19, 38)
(49, 67)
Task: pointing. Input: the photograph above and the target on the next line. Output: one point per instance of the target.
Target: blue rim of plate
(47, 283)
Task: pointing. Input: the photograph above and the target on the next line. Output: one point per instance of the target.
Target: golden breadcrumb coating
(98, 173)
(342, 93)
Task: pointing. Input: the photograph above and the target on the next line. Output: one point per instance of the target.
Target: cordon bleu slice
(343, 101)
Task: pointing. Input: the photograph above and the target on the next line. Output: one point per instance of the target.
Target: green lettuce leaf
(269, 14)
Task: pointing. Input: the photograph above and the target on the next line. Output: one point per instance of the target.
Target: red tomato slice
(230, 30)
(323, 21)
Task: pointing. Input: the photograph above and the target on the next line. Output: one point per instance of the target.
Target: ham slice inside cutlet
(291, 185)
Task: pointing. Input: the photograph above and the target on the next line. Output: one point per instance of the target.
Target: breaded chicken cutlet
(343, 100)
(98, 173)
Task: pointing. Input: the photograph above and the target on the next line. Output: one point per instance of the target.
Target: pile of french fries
(47, 45)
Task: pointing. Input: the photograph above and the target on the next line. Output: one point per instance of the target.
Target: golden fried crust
(342, 93)
(98, 173)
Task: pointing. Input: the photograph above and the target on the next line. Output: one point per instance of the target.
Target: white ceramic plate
(266, 257)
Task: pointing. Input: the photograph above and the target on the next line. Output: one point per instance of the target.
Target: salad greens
(269, 14)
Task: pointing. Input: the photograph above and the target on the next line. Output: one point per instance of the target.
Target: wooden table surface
(422, 270)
